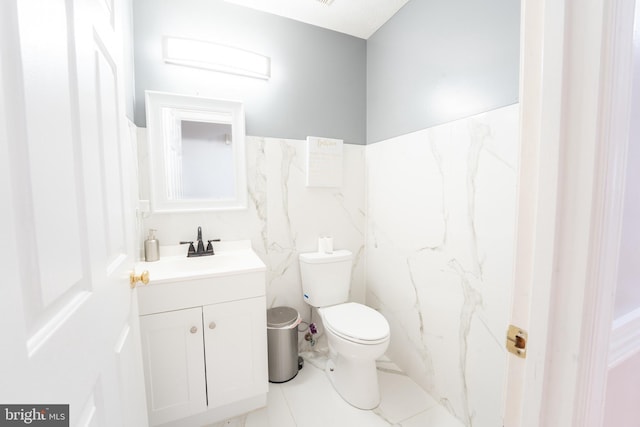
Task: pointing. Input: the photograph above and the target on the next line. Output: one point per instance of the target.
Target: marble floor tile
(314, 403)
(401, 397)
(436, 416)
(309, 400)
(277, 412)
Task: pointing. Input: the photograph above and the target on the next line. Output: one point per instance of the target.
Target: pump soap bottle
(151, 247)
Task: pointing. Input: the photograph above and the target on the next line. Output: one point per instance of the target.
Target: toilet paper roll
(328, 245)
(325, 245)
(322, 245)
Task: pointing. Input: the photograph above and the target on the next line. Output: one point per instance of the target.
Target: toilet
(357, 334)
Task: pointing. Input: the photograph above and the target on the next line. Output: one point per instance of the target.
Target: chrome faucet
(201, 251)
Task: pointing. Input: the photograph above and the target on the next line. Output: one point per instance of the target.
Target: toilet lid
(356, 321)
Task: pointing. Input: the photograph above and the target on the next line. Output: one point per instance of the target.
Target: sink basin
(234, 257)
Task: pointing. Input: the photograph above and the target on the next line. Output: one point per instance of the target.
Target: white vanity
(204, 335)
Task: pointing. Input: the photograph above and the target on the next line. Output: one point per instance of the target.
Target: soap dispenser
(151, 247)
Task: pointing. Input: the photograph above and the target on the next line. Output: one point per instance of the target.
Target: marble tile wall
(439, 232)
(284, 217)
(439, 247)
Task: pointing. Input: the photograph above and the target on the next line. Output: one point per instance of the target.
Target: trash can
(282, 343)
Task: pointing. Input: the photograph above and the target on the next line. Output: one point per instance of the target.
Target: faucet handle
(192, 250)
(209, 249)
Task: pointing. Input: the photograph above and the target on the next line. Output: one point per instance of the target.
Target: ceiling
(359, 18)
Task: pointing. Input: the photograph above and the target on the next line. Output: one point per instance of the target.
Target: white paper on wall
(324, 162)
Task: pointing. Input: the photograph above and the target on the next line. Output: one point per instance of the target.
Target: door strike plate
(517, 341)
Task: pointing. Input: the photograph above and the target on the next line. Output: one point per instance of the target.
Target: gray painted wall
(438, 61)
(127, 58)
(318, 84)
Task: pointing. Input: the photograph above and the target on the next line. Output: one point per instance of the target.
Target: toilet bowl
(357, 336)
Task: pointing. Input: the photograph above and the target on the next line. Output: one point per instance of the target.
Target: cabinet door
(173, 355)
(235, 350)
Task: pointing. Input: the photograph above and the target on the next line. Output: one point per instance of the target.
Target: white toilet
(357, 334)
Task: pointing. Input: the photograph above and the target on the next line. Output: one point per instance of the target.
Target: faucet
(201, 251)
(200, 244)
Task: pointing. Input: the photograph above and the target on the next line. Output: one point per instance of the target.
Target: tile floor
(309, 400)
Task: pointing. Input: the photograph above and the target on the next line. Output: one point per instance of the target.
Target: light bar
(216, 57)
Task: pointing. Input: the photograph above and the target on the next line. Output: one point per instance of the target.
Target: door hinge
(517, 341)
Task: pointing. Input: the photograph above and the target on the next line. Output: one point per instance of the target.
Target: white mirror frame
(165, 111)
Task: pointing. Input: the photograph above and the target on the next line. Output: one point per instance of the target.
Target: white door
(68, 317)
(574, 94)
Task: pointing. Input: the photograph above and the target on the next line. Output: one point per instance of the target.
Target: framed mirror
(197, 153)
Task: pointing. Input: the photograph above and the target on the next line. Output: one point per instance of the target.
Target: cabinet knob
(212, 325)
(193, 329)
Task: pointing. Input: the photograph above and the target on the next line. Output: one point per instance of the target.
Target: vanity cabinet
(203, 358)
(204, 339)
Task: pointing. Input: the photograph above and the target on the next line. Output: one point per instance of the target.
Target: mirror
(197, 153)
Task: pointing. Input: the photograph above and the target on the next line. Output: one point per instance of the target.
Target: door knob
(212, 325)
(133, 279)
(193, 330)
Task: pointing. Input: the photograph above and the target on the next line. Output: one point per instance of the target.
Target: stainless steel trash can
(282, 342)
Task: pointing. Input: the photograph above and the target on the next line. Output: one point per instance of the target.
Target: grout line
(286, 401)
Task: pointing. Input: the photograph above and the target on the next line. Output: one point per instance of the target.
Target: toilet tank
(326, 277)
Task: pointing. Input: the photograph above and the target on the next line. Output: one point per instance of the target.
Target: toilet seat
(356, 322)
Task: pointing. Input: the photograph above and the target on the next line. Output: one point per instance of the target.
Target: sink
(235, 272)
(233, 257)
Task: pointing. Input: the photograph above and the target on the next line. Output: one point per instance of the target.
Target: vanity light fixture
(215, 57)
